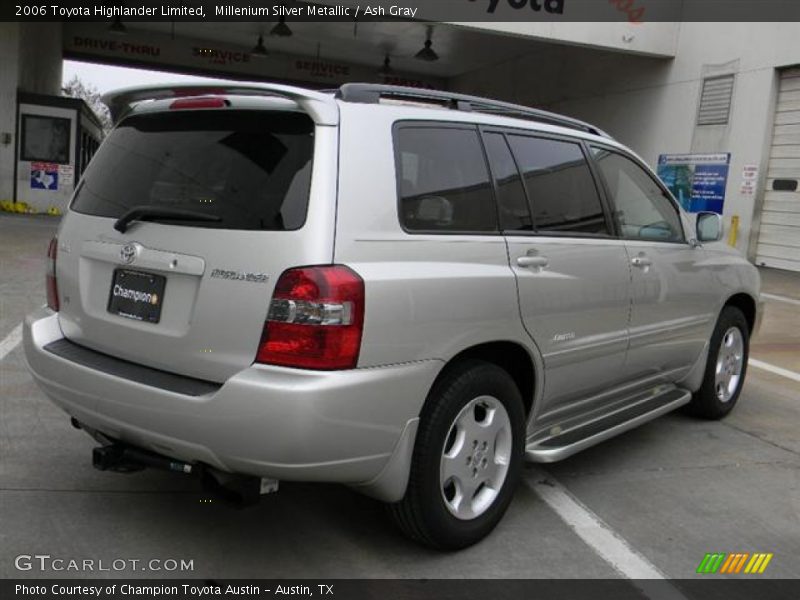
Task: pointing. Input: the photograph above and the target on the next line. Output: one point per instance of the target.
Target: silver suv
(408, 292)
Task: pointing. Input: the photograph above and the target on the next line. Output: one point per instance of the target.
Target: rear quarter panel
(427, 296)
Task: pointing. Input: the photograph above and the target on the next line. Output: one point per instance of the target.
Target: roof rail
(321, 107)
(367, 93)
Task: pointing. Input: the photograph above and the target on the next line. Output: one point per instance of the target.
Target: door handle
(533, 261)
(641, 261)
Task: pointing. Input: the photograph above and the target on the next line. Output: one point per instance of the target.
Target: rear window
(443, 181)
(252, 169)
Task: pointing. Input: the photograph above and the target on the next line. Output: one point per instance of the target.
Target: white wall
(651, 104)
(651, 38)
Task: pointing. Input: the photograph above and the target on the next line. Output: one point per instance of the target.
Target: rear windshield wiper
(146, 212)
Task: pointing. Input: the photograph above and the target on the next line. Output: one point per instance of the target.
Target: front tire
(467, 458)
(726, 368)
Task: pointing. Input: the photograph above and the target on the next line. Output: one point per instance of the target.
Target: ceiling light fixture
(427, 54)
(281, 29)
(259, 49)
(117, 27)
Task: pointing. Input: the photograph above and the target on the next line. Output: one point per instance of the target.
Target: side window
(560, 186)
(643, 209)
(443, 180)
(515, 215)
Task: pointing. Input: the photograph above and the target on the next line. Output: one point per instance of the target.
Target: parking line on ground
(11, 341)
(609, 545)
(606, 543)
(785, 299)
(773, 369)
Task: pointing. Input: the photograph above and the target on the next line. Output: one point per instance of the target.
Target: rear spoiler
(322, 108)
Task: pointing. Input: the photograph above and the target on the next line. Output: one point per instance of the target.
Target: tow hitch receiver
(126, 459)
(241, 490)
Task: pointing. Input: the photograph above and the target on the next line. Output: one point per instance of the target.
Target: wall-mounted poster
(697, 180)
(44, 176)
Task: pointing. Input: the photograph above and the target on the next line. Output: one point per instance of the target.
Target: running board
(562, 444)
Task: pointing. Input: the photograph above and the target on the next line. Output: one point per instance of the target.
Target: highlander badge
(239, 276)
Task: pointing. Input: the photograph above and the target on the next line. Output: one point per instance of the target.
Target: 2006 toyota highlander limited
(409, 292)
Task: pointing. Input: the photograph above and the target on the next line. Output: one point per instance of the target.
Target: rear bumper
(340, 426)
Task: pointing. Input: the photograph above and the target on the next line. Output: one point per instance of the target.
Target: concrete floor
(779, 339)
(673, 489)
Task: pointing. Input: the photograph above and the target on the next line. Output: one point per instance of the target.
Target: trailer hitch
(239, 490)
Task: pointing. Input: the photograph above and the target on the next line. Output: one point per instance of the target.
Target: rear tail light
(315, 319)
(50, 275)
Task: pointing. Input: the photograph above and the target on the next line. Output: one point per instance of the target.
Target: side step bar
(566, 443)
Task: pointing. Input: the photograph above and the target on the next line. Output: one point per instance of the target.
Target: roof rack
(367, 93)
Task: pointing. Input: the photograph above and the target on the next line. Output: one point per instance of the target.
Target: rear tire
(467, 458)
(726, 368)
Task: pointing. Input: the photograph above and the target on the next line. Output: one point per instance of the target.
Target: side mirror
(709, 227)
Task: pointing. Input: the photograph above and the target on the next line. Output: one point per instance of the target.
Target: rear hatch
(188, 292)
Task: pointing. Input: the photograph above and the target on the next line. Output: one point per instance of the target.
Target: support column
(32, 62)
(9, 50)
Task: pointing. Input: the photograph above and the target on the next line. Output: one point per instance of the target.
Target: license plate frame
(137, 295)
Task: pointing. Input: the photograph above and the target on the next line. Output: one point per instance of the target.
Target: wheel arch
(748, 305)
(390, 486)
(510, 356)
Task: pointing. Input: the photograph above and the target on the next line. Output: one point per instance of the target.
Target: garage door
(779, 236)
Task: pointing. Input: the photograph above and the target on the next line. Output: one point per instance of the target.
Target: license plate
(137, 295)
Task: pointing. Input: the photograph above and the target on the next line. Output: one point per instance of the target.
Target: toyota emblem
(128, 253)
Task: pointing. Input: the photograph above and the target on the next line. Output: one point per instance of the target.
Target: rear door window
(252, 169)
(560, 186)
(443, 180)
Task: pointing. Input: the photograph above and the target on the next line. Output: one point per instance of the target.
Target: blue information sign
(697, 180)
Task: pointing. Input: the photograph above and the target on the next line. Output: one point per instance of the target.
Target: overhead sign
(698, 181)
(87, 40)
